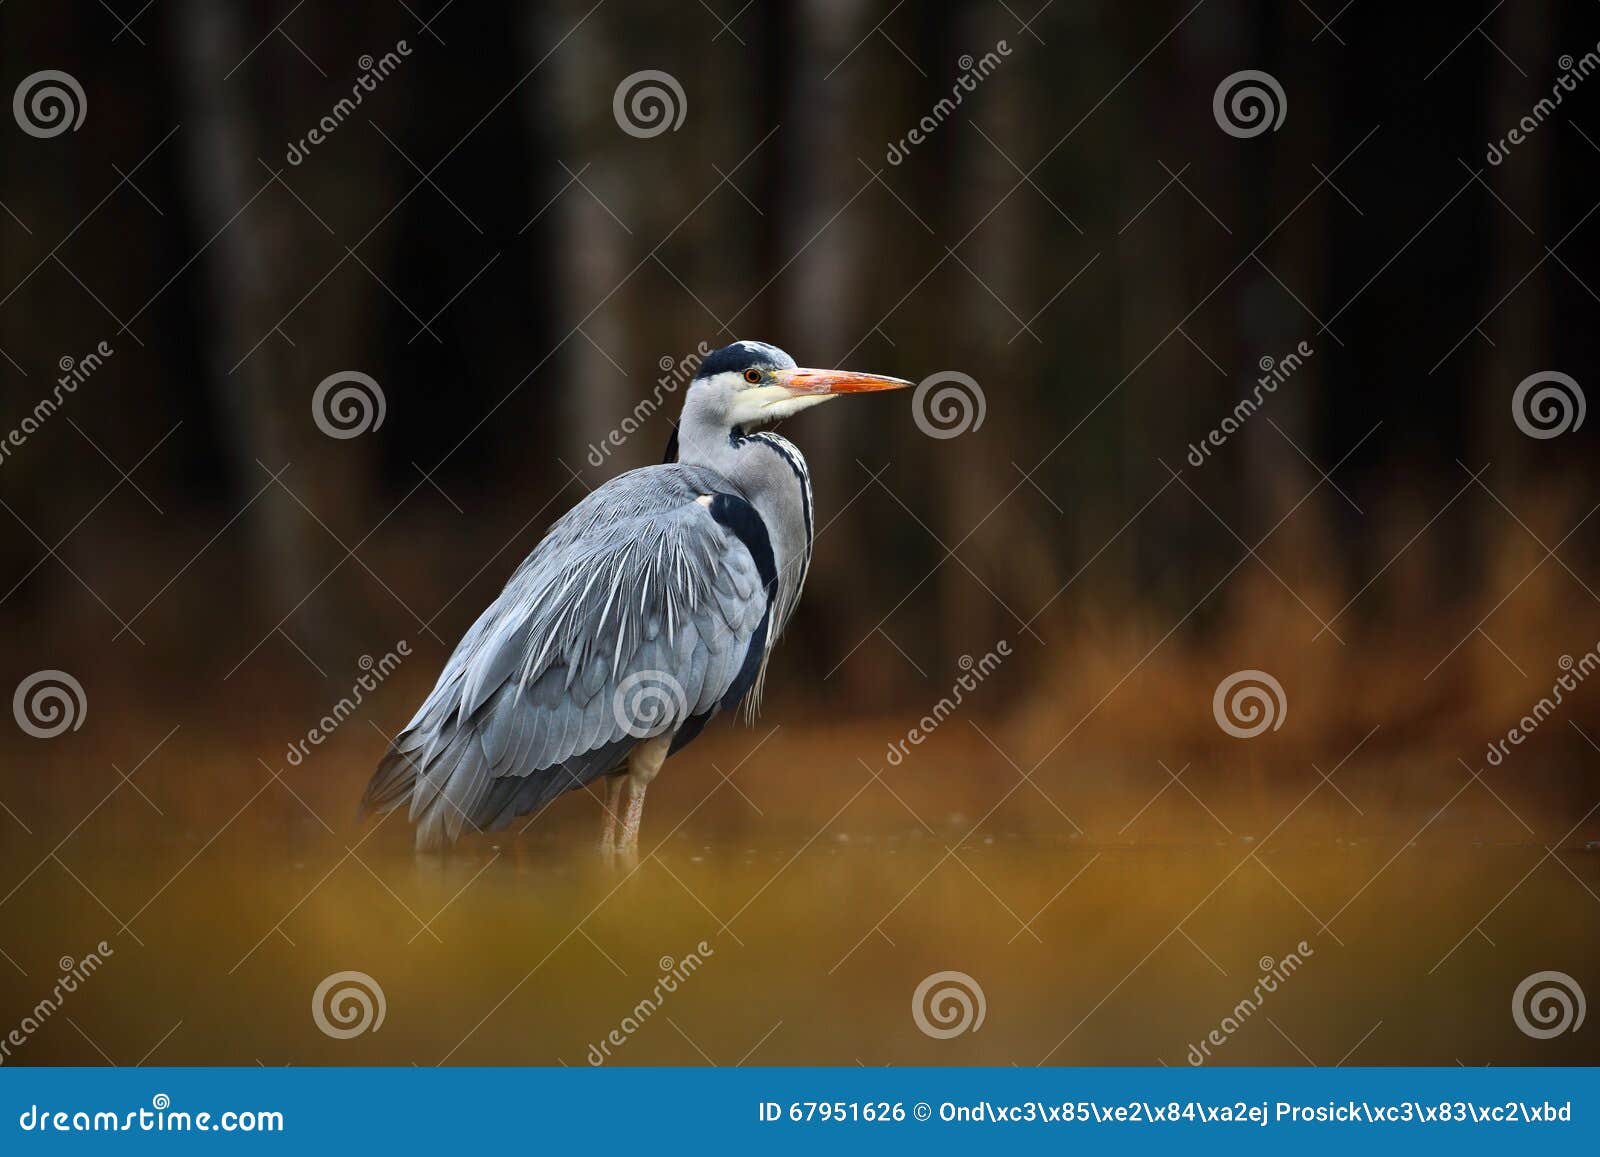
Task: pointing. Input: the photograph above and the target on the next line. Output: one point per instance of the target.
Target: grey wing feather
(633, 615)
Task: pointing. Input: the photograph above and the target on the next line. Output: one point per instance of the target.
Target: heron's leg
(613, 807)
(628, 845)
(643, 764)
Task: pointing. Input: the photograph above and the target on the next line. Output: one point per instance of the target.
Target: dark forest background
(485, 241)
(1079, 237)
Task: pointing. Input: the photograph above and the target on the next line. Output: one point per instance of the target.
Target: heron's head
(750, 382)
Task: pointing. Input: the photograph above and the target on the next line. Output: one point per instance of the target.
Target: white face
(767, 386)
(748, 402)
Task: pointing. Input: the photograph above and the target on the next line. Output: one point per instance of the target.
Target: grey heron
(652, 605)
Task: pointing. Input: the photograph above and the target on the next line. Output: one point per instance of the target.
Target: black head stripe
(743, 355)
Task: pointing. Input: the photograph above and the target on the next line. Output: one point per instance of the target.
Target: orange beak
(836, 382)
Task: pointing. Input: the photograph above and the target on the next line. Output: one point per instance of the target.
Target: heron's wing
(635, 616)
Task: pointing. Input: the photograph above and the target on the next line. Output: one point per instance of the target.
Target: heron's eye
(752, 376)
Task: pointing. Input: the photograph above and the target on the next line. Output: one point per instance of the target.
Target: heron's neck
(772, 474)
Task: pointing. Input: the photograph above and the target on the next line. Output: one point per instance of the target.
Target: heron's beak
(801, 383)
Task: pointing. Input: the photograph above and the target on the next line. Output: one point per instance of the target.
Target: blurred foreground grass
(823, 896)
